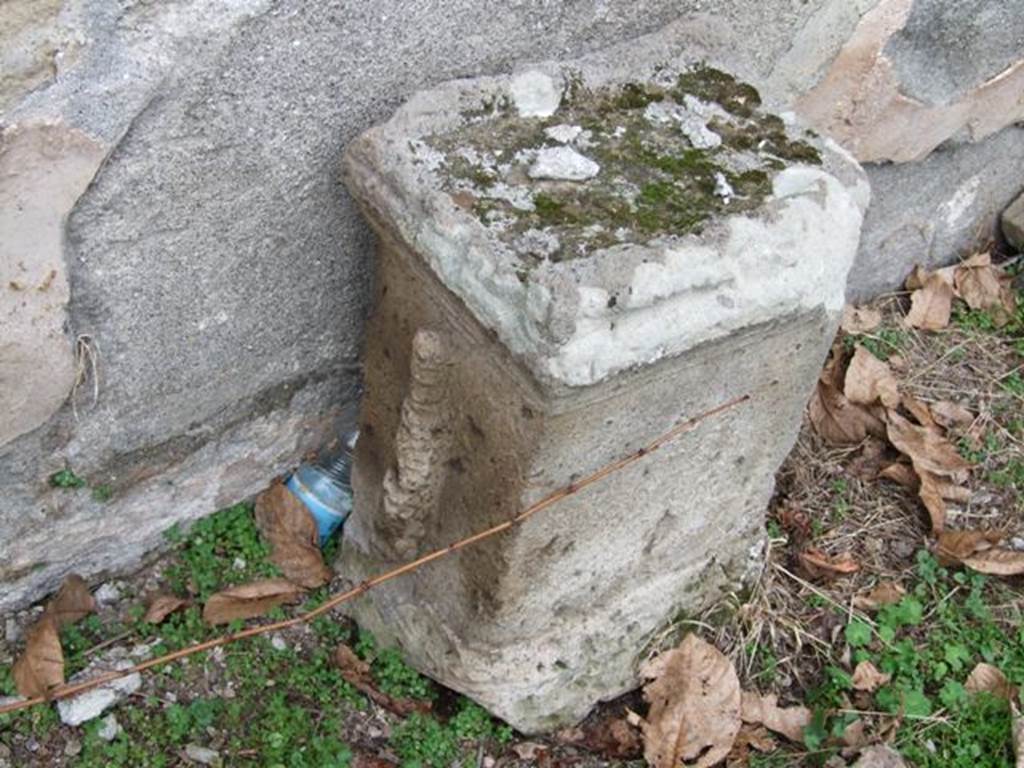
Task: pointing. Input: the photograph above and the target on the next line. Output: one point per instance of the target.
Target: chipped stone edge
(560, 323)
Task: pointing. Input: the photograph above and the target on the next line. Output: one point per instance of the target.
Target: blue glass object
(325, 488)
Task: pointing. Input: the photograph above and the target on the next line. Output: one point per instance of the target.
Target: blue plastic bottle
(326, 488)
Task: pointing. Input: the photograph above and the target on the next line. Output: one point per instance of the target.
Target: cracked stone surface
(528, 330)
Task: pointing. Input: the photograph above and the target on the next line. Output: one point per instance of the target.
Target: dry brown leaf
(357, 673)
(869, 381)
(818, 564)
(832, 415)
(989, 679)
(926, 449)
(869, 462)
(931, 496)
(611, 737)
(71, 603)
(754, 737)
(855, 735)
(901, 474)
(860, 319)
(956, 546)
(977, 550)
(247, 601)
(983, 286)
(920, 412)
(931, 303)
(161, 606)
(789, 721)
(883, 593)
(997, 562)
(950, 414)
(695, 706)
(867, 677)
(291, 531)
(41, 665)
(879, 756)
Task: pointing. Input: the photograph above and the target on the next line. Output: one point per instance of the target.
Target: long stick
(63, 691)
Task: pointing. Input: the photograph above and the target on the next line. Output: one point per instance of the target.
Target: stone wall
(183, 282)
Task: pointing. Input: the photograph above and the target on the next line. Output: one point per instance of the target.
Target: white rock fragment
(563, 134)
(108, 593)
(538, 242)
(278, 643)
(697, 131)
(693, 123)
(202, 755)
(563, 164)
(109, 728)
(535, 94)
(723, 188)
(12, 632)
(94, 702)
(238, 564)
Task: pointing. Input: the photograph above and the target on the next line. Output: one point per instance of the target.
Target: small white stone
(723, 188)
(108, 593)
(239, 564)
(563, 134)
(563, 164)
(109, 728)
(535, 94)
(12, 632)
(202, 755)
(538, 242)
(1017, 543)
(697, 131)
(278, 643)
(72, 748)
(90, 704)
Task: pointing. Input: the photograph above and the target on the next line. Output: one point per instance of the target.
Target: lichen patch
(625, 163)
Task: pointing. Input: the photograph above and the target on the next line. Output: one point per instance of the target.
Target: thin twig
(63, 691)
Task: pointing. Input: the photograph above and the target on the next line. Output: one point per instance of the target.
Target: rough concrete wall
(217, 272)
(208, 263)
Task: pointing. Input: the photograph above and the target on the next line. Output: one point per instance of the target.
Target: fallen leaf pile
(976, 281)
(40, 668)
(858, 401)
(289, 528)
(699, 715)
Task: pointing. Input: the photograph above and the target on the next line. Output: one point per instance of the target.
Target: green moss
(716, 86)
(652, 179)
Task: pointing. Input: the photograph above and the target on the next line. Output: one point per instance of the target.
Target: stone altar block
(572, 260)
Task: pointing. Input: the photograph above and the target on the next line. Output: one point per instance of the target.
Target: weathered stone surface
(211, 262)
(496, 374)
(917, 73)
(931, 211)
(1013, 223)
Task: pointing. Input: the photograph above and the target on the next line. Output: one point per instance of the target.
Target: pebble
(72, 747)
(12, 632)
(563, 134)
(1017, 543)
(108, 593)
(202, 755)
(94, 702)
(278, 643)
(109, 728)
(723, 188)
(563, 164)
(535, 94)
(239, 564)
